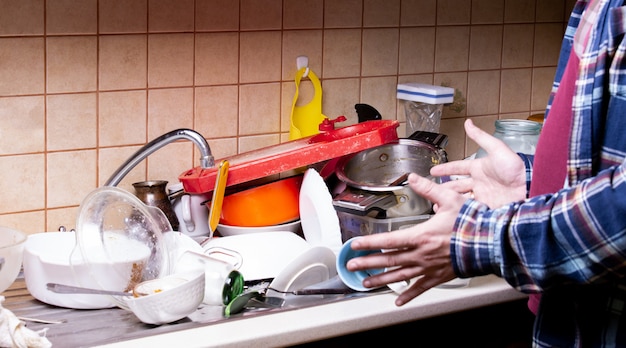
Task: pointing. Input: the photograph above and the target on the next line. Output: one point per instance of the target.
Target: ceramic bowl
(264, 205)
(11, 251)
(168, 299)
(227, 230)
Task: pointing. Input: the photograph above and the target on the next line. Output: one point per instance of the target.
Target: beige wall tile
(453, 12)
(542, 84)
(519, 11)
(518, 43)
(254, 142)
(71, 121)
(340, 96)
(25, 180)
(485, 47)
(21, 17)
(303, 14)
(381, 13)
(301, 43)
(487, 11)
(216, 110)
(22, 125)
(22, 68)
(342, 53)
(223, 148)
(122, 118)
(458, 81)
(261, 14)
(169, 109)
(380, 52)
(550, 11)
(417, 47)
(123, 62)
(66, 185)
(170, 161)
(56, 218)
(452, 48)
(380, 92)
(110, 160)
(216, 58)
(170, 60)
(548, 38)
(122, 16)
(170, 15)
(287, 93)
(29, 222)
(259, 108)
(71, 64)
(483, 89)
(71, 17)
(486, 123)
(418, 12)
(515, 90)
(217, 15)
(453, 128)
(259, 58)
(343, 13)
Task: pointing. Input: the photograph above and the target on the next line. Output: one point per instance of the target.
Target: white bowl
(170, 298)
(229, 230)
(11, 250)
(49, 257)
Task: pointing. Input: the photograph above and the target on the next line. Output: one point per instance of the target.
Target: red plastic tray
(293, 154)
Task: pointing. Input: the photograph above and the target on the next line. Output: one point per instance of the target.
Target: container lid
(425, 93)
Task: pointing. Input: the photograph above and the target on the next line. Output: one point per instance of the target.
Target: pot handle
(435, 139)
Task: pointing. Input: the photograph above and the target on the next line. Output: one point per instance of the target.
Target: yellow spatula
(218, 196)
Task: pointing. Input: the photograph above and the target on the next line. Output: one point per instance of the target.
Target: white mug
(192, 213)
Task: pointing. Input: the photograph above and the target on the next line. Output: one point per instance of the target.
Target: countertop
(271, 328)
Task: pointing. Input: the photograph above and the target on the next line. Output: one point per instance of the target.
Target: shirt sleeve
(548, 240)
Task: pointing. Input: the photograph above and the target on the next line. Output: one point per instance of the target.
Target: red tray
(293, 154)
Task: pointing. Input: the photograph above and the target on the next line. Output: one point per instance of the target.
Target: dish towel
(14, 333)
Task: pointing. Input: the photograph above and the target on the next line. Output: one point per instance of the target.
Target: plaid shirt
(571, 245)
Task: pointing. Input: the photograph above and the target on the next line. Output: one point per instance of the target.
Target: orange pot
(270, 204)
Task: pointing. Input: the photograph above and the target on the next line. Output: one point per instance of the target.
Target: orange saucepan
(269, 204)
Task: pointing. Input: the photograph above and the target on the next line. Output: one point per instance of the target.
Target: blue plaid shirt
(571, 245)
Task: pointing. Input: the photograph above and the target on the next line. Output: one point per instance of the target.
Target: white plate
(264, 255)
(227, 230)
(319, 220)
(313, 266)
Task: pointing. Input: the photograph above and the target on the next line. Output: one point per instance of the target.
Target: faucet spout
(206, 158)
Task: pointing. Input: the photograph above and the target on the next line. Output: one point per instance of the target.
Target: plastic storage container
(353, 225)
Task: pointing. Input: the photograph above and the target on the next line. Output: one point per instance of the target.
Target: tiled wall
(84, 84)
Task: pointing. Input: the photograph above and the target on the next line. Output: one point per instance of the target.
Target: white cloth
(14, 333)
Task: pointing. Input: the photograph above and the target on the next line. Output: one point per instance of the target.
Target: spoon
(69, 289)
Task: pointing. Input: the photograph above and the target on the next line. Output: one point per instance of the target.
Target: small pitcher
(153, 193)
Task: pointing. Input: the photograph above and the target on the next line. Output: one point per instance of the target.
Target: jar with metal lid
(520, 135)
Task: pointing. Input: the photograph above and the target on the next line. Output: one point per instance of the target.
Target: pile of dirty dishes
(119, 243)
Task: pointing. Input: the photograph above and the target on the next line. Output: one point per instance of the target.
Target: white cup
(192, 213)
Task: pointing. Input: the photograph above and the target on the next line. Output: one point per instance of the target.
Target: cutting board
(293, 154)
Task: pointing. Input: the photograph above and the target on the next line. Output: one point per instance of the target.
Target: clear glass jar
(520, 135)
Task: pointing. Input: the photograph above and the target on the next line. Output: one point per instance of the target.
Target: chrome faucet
(206, 158)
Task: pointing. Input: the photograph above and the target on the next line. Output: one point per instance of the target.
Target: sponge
(425, 93)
